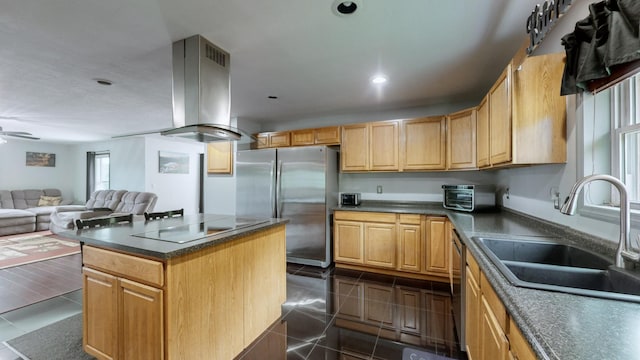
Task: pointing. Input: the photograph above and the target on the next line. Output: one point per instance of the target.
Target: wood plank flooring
(27, 284)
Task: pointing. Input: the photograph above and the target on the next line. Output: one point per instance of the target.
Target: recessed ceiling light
(342, 7)
(104, 82)
(378, 79)
(272, 97)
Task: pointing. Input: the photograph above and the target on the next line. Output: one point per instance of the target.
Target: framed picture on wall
(173, 163)
(40, 159)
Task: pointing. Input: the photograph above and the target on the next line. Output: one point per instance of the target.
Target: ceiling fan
(18, 134)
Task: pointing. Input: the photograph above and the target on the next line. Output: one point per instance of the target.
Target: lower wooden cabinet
(118, 313)
(410, 245)
(490, 333)
(438, 245)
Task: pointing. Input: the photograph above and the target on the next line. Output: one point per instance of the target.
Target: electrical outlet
(554, 194)
(506, 193)
(379, 189)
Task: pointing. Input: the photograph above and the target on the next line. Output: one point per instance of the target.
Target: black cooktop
(190, 232)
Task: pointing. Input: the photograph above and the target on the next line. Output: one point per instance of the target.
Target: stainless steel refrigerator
(299, 184)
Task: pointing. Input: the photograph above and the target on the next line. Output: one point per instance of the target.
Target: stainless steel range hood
(201, 92)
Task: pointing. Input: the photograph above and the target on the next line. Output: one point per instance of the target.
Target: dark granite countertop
(557, 325)
(140, 237)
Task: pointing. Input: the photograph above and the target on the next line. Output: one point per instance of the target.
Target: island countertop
(159, 238)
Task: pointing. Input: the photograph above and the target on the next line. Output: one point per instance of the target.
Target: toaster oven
(350, 199)
(468, 197)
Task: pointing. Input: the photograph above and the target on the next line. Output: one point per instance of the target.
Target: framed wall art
(41, 159)
(173, 163)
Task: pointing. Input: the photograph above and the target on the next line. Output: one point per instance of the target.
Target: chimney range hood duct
(201, 92)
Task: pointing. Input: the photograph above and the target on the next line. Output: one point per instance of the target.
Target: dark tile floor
(340, 314)
(329, 314)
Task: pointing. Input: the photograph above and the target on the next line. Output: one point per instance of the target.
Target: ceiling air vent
(216, 55)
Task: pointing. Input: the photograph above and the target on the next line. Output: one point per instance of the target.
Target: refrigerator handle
(272, 192)
(278, 189)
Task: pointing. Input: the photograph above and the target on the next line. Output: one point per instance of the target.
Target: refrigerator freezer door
(255, 181)
(302, 200)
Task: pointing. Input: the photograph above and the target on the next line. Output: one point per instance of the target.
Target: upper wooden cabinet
(273, 139)
(461, 140)
(526, 114)
(370, 146)
(354, 150)
(423, 144)
(482, 133)
(383, 145)
(322, 136)
(220, 157)
(304, 137)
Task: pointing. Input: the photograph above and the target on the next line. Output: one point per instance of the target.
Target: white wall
(127, 159)
(15, 175)
(174, 191)
(420, 186)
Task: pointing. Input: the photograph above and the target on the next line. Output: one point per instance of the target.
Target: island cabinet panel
(423, 144)
(100, 314)
(211, 304)
(141, 321)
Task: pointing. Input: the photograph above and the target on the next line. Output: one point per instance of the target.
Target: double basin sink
(547, 265)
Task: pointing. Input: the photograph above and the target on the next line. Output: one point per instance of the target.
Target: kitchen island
(193, 287)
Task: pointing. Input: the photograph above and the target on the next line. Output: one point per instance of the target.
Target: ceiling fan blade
(14, 133)
(21, 136)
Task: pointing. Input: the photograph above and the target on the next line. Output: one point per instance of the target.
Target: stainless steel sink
(544, 252)
(547, 265)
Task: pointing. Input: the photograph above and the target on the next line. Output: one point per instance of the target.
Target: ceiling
(316, 62)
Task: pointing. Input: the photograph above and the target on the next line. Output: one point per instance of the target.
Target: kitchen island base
(207, 304)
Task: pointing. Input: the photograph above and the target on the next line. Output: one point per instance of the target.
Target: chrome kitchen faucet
(624, 251)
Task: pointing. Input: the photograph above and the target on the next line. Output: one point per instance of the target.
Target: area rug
(60, 340)
(24, 249)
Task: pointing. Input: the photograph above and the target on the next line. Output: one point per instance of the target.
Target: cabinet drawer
(412, 219)
(494, 302)
(365, 216)
(127, 266)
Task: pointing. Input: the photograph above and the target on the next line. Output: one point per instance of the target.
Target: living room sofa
(103, 203)
(23, 211)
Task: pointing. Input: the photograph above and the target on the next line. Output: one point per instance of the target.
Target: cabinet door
(424, 144)
(437, 246)
(220, 157)
(262, 141)
(461, 144)
(100, 314)
(409, 246)
(539, 112)
(279, 139)
(349, 242)
(327, 136)
(494, 344)
(383, 148)
(380, 245)
(354, 150)
(472, 315)
(500, 119)
(482, 134)
(520, 348)
(302, 137)
(141, 321)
